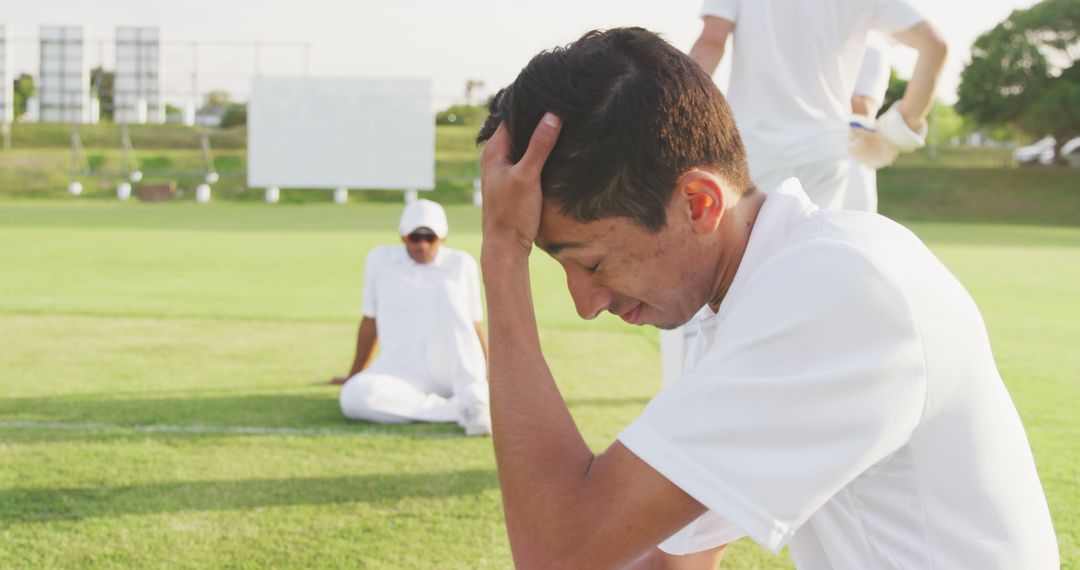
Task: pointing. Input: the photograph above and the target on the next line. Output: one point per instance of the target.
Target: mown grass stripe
(218, 429)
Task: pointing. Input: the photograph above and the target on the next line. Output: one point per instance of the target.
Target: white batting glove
(867, 146)
(894, 129)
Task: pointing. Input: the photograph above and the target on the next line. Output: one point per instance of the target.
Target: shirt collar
(780, 213)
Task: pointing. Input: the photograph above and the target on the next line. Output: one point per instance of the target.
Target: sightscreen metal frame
(137, 96)
(64, 80)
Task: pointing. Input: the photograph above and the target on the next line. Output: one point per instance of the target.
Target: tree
(894, 92)
(101, 85)
(217, 99)
(1023, 73)
(24, 90)
(472, 115)
(235, 115)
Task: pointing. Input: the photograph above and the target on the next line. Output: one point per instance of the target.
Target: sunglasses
(418, 237)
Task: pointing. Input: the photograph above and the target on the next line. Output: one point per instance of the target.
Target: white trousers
(824, 181)
(861, 193)
(446, 376)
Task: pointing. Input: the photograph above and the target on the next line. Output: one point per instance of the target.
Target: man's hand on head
(511, 192)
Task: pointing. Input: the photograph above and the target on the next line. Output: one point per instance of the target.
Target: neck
(738, 224)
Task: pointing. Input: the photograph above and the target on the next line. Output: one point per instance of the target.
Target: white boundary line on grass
(225, 430)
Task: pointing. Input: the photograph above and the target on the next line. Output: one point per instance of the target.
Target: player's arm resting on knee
(919, 96)
(708, 50)
(366, 342)
(482, 335)
(565, 507)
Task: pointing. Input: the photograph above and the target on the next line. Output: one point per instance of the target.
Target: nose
(590, 298)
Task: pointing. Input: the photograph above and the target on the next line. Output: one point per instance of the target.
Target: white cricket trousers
(448, 377)
(861, 193)
(824, 181)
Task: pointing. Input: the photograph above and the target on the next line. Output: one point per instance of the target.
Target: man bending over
(841, 397)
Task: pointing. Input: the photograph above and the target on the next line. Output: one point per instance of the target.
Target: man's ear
(700, 200)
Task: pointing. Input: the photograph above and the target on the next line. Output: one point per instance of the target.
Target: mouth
(630, 316)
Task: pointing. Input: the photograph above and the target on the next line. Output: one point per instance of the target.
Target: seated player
(422, 305)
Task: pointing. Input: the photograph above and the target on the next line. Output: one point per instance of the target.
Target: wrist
(501, 253)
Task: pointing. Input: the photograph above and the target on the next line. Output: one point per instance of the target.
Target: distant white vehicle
(1041, 152)
(1071, 152)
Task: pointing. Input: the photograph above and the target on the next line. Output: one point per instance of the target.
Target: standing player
(870, 87)
(793, 71)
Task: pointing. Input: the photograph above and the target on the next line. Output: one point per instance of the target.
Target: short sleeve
(708, 531)
(812, 375)
(894, 16)
(873, 79)
(726, 9)
(369, 302)
(472, 286)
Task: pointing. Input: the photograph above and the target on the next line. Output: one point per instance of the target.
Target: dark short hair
(637, 114)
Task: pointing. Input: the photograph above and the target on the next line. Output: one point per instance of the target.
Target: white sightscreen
(64, 89)
(137, 85)
(341, 132)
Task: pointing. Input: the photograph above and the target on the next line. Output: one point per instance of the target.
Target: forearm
(707, 53)
(863, 105)
(367, 339)
(919, 95)
(482, 337)
(541, 455)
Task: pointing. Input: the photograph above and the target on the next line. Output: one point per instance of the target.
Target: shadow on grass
(262, 411)
(48, 505)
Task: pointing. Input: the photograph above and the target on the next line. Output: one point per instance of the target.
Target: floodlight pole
(195, 73)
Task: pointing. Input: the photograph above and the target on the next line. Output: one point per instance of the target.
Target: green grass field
(162, 373)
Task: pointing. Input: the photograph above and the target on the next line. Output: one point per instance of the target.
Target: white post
(273, 194)
(341, 195)
(202, 193)
(188, 114)
(411, 196)
(123, 191)
(477, 196)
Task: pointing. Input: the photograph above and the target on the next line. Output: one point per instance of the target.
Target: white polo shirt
(793, 70)
(408, 299)
(844, 401)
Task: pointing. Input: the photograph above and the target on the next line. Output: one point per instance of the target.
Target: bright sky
(449, 41)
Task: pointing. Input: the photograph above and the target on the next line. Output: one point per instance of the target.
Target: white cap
(423, 214)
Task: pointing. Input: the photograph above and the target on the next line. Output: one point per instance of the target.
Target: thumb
(543, 140)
